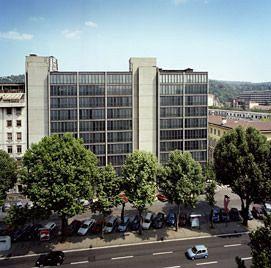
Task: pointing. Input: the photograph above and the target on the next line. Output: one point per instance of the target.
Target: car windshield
(147, 220)
(194, 250)
(84, 226)
(109, 224)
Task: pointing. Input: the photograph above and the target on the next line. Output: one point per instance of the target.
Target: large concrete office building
(115, 113)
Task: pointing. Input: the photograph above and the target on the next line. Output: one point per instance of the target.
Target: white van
(5, 243)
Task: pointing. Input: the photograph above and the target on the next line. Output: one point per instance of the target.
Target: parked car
(73, 227)
(234, 214)
(6, 207)
(171, 218)
(147, 221)
(183, 219)
(258, 211)
(34, 231)
(19, 204)
(158, 221)
(83, 230)
(216, 215)
(223, 215)
(16, 235)
(48, 232)
(52, 258)
(110, 225)
(96, 228)
(124, 225)
(267, 208)
(161, 197)
(26, 233)
(249, 215)
(134, 223)
(197, 252)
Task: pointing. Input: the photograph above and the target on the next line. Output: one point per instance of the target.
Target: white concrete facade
(37, 70)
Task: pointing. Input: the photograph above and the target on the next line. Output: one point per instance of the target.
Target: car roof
(111, 218)
(268, 205)
(200, 247)
(88, 221)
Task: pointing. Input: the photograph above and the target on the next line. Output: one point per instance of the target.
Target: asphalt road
(222, 253)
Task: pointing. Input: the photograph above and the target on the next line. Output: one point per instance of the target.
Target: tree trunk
(103, 223)
(64, 224)
(140, 221)
(211, 218)
(122, 211)
(178, 215)
(245, 208)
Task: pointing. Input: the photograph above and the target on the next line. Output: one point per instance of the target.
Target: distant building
(214, 101)
(218, 126)
(13, 134)
(115, 113)
(234, 114)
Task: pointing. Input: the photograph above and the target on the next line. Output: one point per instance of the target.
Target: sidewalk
(90, 241)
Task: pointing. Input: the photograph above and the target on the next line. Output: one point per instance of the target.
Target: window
(9, 111)
(9, 123)
(9, 136)
(218, 132)
(10, 149)
(18, 123)
(18, 111)
(19, 149)
(211, 130)
(215, 131)
(19, 136)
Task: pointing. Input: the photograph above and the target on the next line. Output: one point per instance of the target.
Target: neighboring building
(13, 133)
(232, 114)
(214, 101)
(115, 113)
(247, 99)
(219, 125)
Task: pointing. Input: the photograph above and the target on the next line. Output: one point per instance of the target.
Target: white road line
(206, 263)
(79, 262)
(246, 258)
(124, 257)
(162, 253)
(233, 245)
(172, 266)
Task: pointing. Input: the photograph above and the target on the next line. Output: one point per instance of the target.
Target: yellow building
(218, 126)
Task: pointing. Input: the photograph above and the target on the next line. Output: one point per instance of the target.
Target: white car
(85, 227)
(147, 221)
(110, 224)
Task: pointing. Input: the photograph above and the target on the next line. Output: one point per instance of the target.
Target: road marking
(206, 263)
(162, 253)
(233, 245)
(246, 258)
(172, 266)
(79, 262)
(130, 244)
(124, 257)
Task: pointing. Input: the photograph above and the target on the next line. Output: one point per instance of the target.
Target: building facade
(13, 134)
(218, 126)
(115, 113)
(244, 99)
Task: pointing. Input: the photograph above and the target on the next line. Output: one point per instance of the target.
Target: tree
(240, 161)
(139, 172)
(107, 190)
(210, 189)
(57, 172)
(181, 180)
(8, 174)
(260, 243)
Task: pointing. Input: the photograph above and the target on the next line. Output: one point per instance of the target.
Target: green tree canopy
(8, 174)
(57, 172)
(181, 179)
(139, 172)
(240, 161)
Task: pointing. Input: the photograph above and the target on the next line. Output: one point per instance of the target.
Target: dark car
(249, 215)
(97, 227)
(16, 235)
(171, 218)
(73, 227)
(26, 233)
(216, 215)
(52, 258)
(35, 231)
(158, 221)
(234, 214)
(258, 211)
(134, 223)
(183, 220)
(223, 215)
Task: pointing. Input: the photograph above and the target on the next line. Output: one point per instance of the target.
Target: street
(169, 254)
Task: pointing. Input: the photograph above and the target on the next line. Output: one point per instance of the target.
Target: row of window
(189, 145)
(63, 115)
(178, 134)
(119, 125)
(63, 78)
(183, 78)
(119, 90)
(92, 125)
(63, 90)
(119, 113)
(216, 131)
(18, 111)
(18, 136)
(93, 137)
(119, 78)
(178, 100)
(91, 78)
(18, 149)
(57, 127)
(92, 90)
(91, 114)
(119, 136)
(178, 123)
(18, 123)
(197, 155)
(120, 148)
(117, 160)
(178, 111)
(171, 89)
(63, 102)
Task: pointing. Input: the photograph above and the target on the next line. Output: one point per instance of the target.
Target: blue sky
(231, 39)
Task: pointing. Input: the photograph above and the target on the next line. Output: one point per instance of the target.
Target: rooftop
(231, 123)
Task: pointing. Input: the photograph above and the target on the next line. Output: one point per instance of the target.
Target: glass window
(93, 137)
(171, 146)
(9, 111)
(92, 114)
(119, 90)
(171, 134)
(93, 90)
(18, 123)
(92, 125)
(116, 160)
(9, 149)
(196, 134)
(9, 123)
(171, 112)
(63, 90)
(18, 111)
(119, 101)
(92, 102)
(171, 123)
(171, 101)
(63, 102)
(9, 136)
(19, 136)
(196, 145)
(195, 122)
(61, 127)
(119, 113)
(119, 148)
(119, 136)
(19, 149)
(63, 115)
(119, 125)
